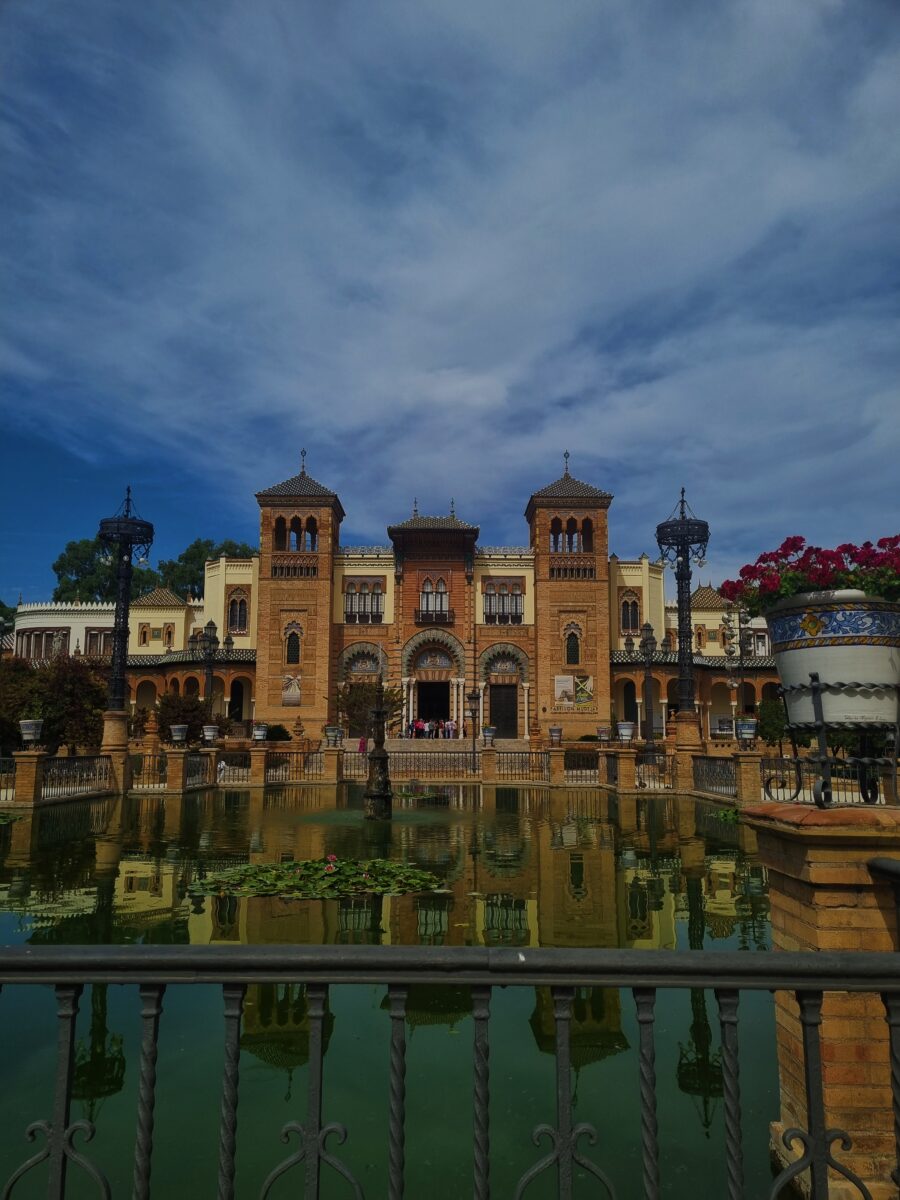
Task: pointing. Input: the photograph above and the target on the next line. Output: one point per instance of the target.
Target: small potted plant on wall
(31, 724)
(489, 732)
(835, 613)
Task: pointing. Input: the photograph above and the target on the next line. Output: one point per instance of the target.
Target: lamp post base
(687, 731)
(115, 731)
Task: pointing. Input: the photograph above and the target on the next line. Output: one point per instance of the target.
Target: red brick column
(823, 897)
(627, 771)
(489, 764)
(258, 765)
(557, 764)
(29, 775)
(333, 764)
(176, 769)
(748, 777)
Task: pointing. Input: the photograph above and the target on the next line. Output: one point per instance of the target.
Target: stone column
(526, 688)
(29, 775)
(461, 719)
(332, 764)
(404, 686)
(749, 779)
(627, 771)
(823, 897)
(640, 723)
(481, 688)
(557, 764)
(176, 769)
(258, 765)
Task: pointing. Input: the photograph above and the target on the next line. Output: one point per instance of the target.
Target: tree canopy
(85, 570)
(68, 693)
(355, 702)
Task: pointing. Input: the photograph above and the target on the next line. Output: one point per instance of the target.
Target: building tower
(567, 520)
(300, 522)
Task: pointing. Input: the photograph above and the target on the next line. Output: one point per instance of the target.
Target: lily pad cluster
(318, 879)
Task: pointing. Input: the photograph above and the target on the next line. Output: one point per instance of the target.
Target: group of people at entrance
(432, 728)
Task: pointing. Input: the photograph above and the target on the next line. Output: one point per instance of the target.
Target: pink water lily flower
(330, 869)
(331, 857)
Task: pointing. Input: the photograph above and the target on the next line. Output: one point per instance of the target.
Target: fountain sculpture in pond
(378, 794)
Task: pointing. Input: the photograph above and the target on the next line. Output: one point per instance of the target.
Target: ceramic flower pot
(210, 733)
(603, 733)
(746, 728)
(626, 731)
(334, 735)
(489, 732)
(846, 637)
(31, 731)
(555, 735)
(260, 733)
(179, 733)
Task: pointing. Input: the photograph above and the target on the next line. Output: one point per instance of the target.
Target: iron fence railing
(715, 775)
(7, 779)
(654, 769)
(524, 764)
(79, 776)
(435, 764)
(582, 766)
(571, 1145)
(794, 780)
(356, 764)
(612, 769)
(233, 766)
(149, 771)
(294, 766)
(197, 770)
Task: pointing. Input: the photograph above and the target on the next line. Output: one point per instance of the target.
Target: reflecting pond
(519, 867)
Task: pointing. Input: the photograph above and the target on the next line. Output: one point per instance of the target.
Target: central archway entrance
(433, 700)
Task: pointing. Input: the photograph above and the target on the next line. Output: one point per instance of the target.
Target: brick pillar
(333, 764)
(150, 740)
(627, 770)
(489, 764)
(212, 753)
(29, 775)
(823, 897)
(173, 809)
(258, 765)
(887, 786)
(684, 771)
(747, 774)
(557, 764)
(687, 731)
(176, 769)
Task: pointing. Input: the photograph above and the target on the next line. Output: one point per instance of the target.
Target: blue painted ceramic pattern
(854, 624)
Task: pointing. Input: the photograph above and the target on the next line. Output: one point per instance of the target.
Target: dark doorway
(434, 701)
(504, 716)
(236, 702)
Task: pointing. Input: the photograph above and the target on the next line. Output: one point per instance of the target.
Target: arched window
(556, 535)
(426, 598)
(233, 614)
(699, 637)
(377, 609)
(490, 604)
(440, 597)
(296, 539)
(515, 609)
(573, 650)
(242, 614)
(631, 613)
(169, 637)
(503, 604)
(312, 533)
(571, 536)
(363, 606)
(145, 636)
(279, 536)
(350, 603)
(587, 535)
(292, 648)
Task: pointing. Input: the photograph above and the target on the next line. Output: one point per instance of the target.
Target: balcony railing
(432, 616)
(319, 968)
(362, 618)
(291, 565)
(498, 618)
(572, 566)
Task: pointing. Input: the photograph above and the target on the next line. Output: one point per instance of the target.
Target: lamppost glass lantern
(682, 540)
(125, 535)
(647, 647)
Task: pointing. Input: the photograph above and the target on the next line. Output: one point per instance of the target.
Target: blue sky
(437, 244)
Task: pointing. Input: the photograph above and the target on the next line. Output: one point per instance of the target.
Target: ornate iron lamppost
(647, 648)
(472, 702)
(126, 534)
(737, 634)
(682, 540)
(208, 645)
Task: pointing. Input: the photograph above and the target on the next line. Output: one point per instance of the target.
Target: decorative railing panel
(794, 780)
(356, 765)
(655, 770)
(572, 1148)
(233, 766)
(81, 776)
(289, 565)
(149, 771)
(435, 764)
(524, 764)
(582, 766)
(294, 766)
(431, 616)
(197, 770)
(718, 776)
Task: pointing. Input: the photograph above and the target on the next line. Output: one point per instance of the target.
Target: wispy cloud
(439, 243)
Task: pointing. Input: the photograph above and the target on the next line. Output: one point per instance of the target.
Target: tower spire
(566, 458)
(452, 507)
(415, 506)
(303, 462)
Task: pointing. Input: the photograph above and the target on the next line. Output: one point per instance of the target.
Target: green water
(521, 868)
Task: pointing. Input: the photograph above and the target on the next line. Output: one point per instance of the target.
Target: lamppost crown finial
(566, 460)
(303, 461)
(415, 506)
(452, 507)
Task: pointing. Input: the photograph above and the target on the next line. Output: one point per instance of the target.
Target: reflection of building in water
(434, 1004)
(595, 1031)
(276, 1026)
(646, 901)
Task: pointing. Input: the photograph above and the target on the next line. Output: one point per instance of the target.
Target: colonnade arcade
(717, 699)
